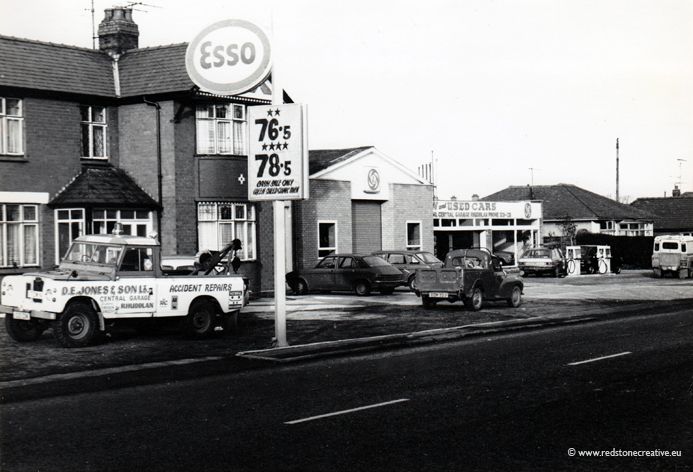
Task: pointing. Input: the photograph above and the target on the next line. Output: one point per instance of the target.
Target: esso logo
(229, 57)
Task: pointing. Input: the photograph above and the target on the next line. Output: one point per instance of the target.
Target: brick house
(91, 138)
(672, 215)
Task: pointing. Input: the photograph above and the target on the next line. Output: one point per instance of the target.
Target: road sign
(229, 57)
(278, 158)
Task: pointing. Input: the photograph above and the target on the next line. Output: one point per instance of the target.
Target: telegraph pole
(617, 171)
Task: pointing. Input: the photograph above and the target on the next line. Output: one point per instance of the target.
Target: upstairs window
(93, 122)
(221, 129)
(11, 125)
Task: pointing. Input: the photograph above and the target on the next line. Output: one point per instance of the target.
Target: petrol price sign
(278, 158)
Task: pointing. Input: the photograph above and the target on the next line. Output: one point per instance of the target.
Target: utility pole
(617, 171)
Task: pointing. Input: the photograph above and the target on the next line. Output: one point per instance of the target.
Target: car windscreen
(93, 253)
(375, 261)
(427, 257)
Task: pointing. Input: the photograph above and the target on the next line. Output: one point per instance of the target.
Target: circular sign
(229, 57)
(373, 180)
(528, 210)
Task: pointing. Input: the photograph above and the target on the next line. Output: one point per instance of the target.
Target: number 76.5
(272, 128)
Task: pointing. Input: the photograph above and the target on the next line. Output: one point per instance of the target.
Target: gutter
(159, 174)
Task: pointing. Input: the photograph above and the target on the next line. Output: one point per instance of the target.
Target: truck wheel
(231, 323)
(361, 288)
(301, 287)
(23, 331)
(657, 273)
(77, 326)
(475, 302)
(515, 299)
(200, 320)
(427, 301)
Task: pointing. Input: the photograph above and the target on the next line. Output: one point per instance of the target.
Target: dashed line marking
(601, 358)
(344, 412)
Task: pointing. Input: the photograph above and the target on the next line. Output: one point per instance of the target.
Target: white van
(673, 253)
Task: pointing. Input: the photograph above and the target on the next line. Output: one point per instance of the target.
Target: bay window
(221, 129)
(219, 223)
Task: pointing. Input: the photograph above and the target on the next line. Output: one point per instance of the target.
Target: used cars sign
(229, 57)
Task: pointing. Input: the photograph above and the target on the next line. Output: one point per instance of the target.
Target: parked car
(507, 258)
(543, 260)
(357, 272)
(408, 261)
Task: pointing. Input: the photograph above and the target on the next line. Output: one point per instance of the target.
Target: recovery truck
(109, 279)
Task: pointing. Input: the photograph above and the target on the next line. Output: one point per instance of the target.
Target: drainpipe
(159, 175)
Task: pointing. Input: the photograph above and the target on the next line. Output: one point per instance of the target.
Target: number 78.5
(274, 166)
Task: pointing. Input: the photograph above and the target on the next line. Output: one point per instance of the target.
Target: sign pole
(279, 245)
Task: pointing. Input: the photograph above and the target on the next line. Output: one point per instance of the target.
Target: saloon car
(347, 272)
(543, 260)
(408, 261)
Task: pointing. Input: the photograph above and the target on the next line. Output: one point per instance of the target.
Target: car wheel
(361, 288)
(77, 326)
(411, 282)
(427, 301)
(476, 301)
(200, 320)
(23, 330)
(515, 299)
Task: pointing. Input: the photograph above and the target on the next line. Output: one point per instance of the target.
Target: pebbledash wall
(398, 201)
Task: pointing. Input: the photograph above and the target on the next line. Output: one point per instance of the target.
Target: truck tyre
(657, 273)
(77, 326)
(231, 322)
(427, 301)
(411, 282)
(362, 288)
(515, 299)
(475, 302)
(200, 320)
(23, 331)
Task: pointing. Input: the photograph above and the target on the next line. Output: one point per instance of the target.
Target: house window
(134, 222)
(19, 242)
(219, 223)
(69, 224)
(11, 125)
(413, 235)
(327, 238)
(93, 122)
(221, 129)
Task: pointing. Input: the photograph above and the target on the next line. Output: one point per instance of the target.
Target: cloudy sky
(491, 88)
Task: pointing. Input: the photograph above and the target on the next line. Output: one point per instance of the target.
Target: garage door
(366, 226)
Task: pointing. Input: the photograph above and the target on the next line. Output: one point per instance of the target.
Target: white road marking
(601, 358)
(343, 412)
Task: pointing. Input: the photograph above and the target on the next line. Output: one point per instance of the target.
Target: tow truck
(108, 279)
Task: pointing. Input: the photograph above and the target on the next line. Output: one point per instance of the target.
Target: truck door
(135, 288)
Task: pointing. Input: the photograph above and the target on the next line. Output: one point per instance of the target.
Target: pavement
(323, 325)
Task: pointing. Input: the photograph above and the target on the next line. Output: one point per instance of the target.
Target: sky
(497, 92)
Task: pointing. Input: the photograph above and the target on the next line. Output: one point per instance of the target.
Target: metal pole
(617, 171)
(278, 208)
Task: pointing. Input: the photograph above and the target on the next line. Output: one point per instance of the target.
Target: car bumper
(9, 311)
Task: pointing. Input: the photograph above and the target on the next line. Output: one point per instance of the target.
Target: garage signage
(278, 158)
(229, 57)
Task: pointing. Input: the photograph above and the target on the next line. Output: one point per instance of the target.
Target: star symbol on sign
(271, 146)
(286, 145)
(269, 112)
(276, 112)
(241, 179)
(264, 146)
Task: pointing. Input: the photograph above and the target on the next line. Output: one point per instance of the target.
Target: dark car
(408, 261)
(360, 273)
(543, 260)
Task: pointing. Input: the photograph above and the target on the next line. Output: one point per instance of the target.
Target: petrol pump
(574, 257)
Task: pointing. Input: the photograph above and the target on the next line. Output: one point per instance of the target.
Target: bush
(635, 252)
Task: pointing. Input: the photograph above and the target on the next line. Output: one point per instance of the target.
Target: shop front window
(219, 223)
(19, 243)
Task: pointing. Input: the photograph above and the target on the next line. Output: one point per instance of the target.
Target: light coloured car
(543, 260)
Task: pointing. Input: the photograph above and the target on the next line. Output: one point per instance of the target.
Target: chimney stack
(118, 32)
(676, 192)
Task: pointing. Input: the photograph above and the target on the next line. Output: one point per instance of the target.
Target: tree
(569, 230)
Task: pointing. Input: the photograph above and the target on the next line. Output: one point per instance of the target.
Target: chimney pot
(118, 32)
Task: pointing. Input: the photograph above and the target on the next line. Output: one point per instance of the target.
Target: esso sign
(229, 57)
